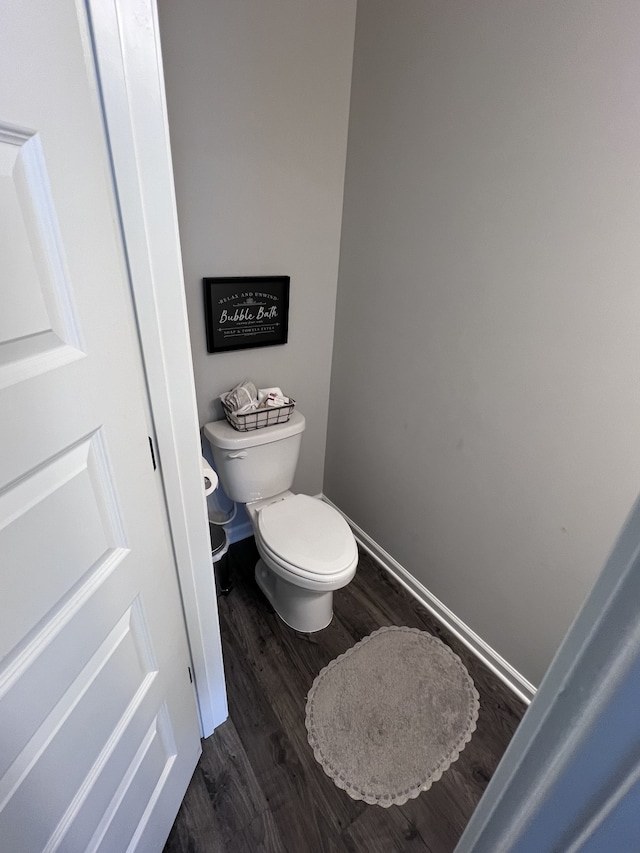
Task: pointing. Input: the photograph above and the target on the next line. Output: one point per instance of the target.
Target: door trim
(568, 780)
(127, 54)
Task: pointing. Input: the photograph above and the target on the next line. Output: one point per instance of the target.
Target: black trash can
(219, 548)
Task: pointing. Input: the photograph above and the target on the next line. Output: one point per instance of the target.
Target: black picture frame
(242, 312)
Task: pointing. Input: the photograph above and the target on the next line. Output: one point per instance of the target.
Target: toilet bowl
(306, 548)
(307, 551)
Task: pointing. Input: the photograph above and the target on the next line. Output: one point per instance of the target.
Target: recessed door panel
(116, 679)
(38, 326)
(55, 531)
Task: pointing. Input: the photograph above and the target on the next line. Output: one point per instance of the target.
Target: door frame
(570, 777)
(127, 55)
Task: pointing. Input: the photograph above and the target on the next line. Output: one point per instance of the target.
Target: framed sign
(243, 312)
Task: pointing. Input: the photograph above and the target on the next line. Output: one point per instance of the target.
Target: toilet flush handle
(239, 454)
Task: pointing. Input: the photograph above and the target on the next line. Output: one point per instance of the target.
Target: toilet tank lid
(221, 434)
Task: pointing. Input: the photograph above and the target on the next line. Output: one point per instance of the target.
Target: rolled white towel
(243, 398)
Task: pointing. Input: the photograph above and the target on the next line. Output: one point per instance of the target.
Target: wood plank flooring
(258, 788)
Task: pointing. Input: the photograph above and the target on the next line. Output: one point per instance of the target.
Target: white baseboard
(497, 664)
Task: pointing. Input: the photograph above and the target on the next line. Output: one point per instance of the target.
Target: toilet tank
(256, 464)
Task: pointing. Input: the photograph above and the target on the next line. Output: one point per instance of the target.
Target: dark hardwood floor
(258, 787)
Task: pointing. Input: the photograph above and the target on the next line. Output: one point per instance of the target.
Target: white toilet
(306, 547)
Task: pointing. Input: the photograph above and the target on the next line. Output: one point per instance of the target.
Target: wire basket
(259, 418)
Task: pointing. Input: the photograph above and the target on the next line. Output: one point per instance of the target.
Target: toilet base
(302, 609)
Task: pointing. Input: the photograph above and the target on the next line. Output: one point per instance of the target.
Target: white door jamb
(126, 49)
(570, 778)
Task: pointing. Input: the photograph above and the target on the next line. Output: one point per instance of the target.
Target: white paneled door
(98, 724)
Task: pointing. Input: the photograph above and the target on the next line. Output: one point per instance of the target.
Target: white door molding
(570, 779)
(126, 47)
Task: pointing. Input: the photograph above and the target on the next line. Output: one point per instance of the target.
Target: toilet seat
(300, 577)
(307, 537)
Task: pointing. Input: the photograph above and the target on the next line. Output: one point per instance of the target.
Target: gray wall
(258, 100)
(484, 416)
